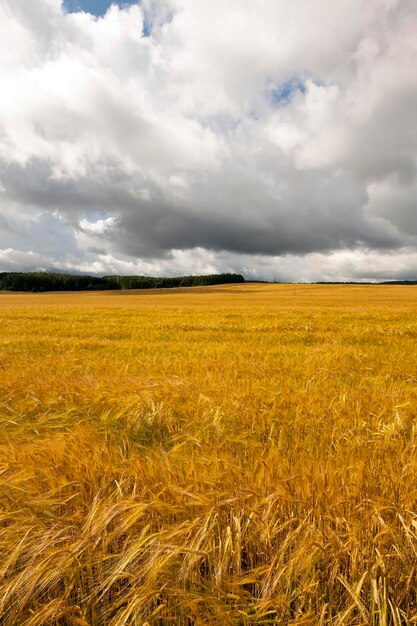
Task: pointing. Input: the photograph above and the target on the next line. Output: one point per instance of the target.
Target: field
(234, 455)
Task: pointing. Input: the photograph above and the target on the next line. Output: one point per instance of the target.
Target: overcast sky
(277, 138)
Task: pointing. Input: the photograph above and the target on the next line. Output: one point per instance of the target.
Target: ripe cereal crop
(230, 455)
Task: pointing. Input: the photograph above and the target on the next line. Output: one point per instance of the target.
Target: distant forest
(51, 281)
(384, 282)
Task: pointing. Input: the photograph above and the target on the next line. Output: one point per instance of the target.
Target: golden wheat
(233, 455)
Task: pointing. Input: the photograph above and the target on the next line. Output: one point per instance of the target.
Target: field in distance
(230, 455)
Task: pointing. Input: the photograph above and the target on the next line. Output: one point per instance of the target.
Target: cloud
(220, 135)
(99, 227)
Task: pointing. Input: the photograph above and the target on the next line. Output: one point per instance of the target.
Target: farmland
(228, 455)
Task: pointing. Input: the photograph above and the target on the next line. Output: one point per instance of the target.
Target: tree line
(54, 281)
(355, 282)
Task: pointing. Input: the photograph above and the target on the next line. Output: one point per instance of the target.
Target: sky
(95, 7)
(275, 138)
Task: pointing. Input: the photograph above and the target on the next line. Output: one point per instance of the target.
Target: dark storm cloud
(312, 213)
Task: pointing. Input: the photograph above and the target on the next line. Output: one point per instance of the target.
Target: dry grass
(233, 456)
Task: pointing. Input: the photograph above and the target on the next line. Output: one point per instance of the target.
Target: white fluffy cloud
(181, 136)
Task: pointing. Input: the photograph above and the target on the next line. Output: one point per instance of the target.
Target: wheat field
(229, 455)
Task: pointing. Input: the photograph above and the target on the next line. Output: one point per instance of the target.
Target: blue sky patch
(284, 93)
(95, 7)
